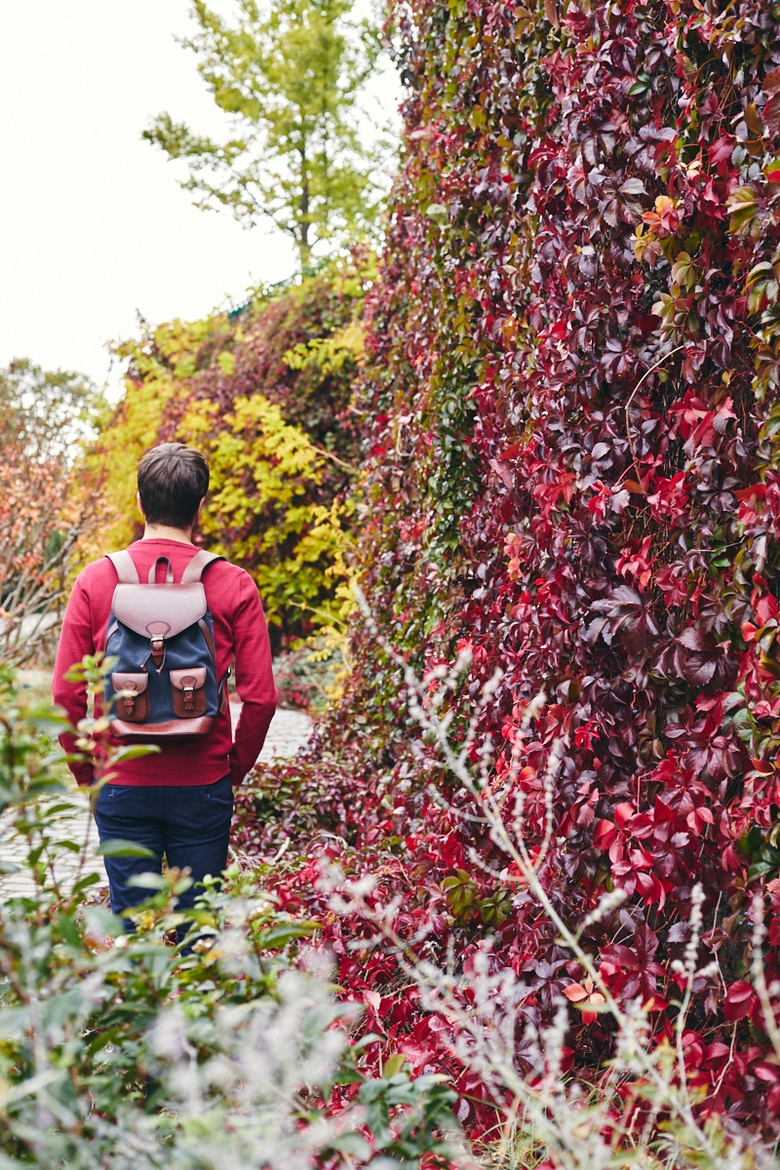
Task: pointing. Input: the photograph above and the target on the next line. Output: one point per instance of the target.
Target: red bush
(572, 467)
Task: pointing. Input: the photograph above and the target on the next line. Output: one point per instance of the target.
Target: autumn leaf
(585, 998)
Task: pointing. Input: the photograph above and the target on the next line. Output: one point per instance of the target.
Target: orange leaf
(575, 992)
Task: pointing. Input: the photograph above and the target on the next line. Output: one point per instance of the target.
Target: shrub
(570, 414)
(119, 1049)
(45, 416)
(398, 926)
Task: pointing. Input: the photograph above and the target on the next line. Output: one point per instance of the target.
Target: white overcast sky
(93, 225)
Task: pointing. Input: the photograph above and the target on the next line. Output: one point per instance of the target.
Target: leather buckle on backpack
(131, 695)
(188, 688)
(129, 698)
(157, 631)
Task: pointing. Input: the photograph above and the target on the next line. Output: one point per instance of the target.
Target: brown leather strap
(209, 640)
(195, 567)
(222, 693)
(222, 690)
(125, 567)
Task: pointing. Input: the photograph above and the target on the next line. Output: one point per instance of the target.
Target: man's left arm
(75, 642)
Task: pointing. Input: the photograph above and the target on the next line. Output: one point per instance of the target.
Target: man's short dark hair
(172, 480)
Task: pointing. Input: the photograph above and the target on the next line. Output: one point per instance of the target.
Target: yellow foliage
(113, 465)
(263, 511)
(110, 468)
(329, 353)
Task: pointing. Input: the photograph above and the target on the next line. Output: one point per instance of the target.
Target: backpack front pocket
(131, 696)
(189, 692)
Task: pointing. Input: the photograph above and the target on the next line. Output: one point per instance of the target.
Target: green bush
(121, 1050)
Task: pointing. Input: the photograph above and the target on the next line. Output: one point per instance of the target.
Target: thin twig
(664, 357)
(350, 467)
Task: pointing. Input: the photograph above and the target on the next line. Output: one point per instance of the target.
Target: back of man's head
(172, 481)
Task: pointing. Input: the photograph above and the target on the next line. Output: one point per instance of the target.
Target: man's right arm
(254, 680)
(75, 642)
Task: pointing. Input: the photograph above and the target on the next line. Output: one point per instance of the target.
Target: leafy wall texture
(573, 473)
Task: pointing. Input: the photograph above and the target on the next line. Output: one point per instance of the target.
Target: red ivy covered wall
(572, 466)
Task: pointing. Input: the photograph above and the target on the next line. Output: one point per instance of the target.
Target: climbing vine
(570, 418)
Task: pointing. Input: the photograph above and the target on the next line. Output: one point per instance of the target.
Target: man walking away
(178, 802)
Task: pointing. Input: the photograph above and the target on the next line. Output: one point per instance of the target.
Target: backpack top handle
(152, 578)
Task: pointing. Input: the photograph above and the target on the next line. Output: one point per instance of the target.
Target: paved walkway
(289, 731)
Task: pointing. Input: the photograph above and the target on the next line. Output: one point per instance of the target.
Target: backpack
(163, 686)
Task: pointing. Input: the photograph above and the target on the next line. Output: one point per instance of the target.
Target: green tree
(289, 76)
(45, 413)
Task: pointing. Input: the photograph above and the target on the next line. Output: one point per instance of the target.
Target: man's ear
(140, 505)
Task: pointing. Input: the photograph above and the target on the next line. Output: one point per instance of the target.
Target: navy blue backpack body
(164, 685)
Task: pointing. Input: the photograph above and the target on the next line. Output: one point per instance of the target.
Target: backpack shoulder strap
(195, 568)
(125, 567)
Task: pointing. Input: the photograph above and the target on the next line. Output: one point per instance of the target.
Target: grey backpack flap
(164, 685)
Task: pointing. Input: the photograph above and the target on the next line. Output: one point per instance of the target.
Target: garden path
(288, 732)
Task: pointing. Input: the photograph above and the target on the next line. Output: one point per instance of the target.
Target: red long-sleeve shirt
(240, 637)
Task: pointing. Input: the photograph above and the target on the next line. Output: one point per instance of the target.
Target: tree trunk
(304, 245)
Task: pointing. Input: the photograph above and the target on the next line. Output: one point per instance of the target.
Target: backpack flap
(159, 612)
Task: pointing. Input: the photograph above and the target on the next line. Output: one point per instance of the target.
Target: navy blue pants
(189, 824)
